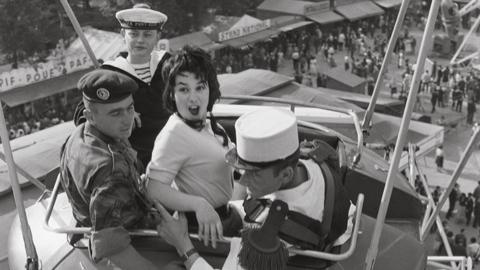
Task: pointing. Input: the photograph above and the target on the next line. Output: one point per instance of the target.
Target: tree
(28, 28)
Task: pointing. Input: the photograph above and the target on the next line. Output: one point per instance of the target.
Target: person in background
(473, 249)
(439, 158)
(469, 204)
(461, 239)
(452, 200)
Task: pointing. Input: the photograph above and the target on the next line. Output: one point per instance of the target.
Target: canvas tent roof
(259, 82)
(245, 20)
(359, 10)
(198, 39)
(284, 6)
(388, 3)
(251, 38)
(294, 26)
(325, 17)
(346, 77)
(24, 94)
(251, 82)
(105, 45)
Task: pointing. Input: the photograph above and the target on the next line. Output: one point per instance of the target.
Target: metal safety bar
(431, 206)
(293, 103)
(465, 263)
(153, 233)
(456, 174)
(78, 30)
(425, 47)
(383, 69)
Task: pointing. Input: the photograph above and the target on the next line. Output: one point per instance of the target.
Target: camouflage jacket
(101, 179)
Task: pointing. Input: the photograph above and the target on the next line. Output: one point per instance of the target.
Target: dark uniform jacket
(148, 102)
(100, 177)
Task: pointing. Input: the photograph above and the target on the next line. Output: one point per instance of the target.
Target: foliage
(30, 28)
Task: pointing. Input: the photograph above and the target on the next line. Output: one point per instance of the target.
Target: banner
(43, 71)
(243, 31)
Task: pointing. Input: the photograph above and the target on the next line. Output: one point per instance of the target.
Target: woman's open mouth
(194, 110)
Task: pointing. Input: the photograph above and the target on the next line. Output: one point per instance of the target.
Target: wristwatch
(188, 254)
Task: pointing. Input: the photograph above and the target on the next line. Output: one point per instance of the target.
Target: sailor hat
(263, 137)
(141, 18)
(106, 86)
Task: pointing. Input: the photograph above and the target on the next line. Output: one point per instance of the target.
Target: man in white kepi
(268, 155)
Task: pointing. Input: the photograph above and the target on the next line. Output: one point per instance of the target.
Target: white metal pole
(402, 136)
(388, 55)
(446, 244)
(79, 31)
(32, 258)
(411, 167)
(472, 29)
(456, 174)
(430, 205)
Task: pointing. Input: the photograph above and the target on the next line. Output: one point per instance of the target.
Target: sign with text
(244, 30)
(43, 71)
(316, 8)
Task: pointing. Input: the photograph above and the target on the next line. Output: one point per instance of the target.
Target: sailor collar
(122, 63)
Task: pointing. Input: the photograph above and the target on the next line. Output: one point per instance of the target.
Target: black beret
(106, 86)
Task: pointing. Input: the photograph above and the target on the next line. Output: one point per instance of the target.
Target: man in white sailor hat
(141, 29)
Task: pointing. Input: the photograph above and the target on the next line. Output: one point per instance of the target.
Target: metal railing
(153, 233)
(294, 103)
(464, 263)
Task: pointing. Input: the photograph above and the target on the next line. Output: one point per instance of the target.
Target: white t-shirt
(195, 160)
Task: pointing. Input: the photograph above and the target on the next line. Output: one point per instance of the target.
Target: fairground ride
(45, 246)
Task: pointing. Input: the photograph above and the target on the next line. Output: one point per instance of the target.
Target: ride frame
(32, 257)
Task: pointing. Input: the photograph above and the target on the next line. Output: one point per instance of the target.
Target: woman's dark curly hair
(198, 62)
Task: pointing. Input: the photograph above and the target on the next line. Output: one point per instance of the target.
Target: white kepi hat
(141, 18)
(263, 136)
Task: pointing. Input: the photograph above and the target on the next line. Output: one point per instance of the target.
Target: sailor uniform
(147, 100)
(141, 18)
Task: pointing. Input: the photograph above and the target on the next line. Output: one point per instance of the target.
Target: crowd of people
(463, 212)
(37, 115)
(303, 47)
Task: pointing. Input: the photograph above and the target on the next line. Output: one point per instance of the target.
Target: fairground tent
(62, 69)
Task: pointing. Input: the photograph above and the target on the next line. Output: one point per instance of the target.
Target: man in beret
(99, 170)
(141, 29)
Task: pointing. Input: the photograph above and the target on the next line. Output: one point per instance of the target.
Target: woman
(190, 149)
